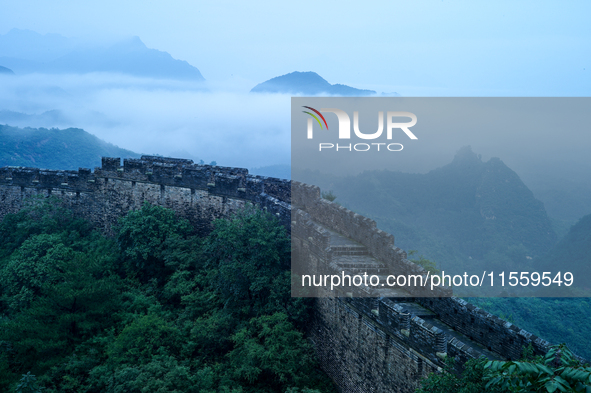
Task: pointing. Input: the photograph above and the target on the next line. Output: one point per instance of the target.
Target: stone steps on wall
(354, 259)
(348, 250)
(360, 264)
(338, 240)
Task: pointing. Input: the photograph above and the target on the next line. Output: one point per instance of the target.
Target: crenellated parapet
(386, 342)
(151, 169)
(200, 193)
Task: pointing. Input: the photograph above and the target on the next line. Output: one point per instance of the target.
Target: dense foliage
(554, 319)
(557, 371)
(154, 310)
(471, 380)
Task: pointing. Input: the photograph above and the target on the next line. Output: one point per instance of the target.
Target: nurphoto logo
(345, 129)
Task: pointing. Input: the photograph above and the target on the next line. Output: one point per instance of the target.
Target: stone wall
(362, 230)
(365, 345)
(496, 334)
(359, 355)
(200, 193)
(475, 332)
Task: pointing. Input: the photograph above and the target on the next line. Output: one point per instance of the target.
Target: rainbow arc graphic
(315, 117)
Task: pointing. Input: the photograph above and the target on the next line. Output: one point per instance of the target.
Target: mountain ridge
(465, 212)
(28, 52)
(66, 149)
(309, 83)
(574, 247)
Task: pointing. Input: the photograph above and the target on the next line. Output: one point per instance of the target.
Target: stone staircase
(354, 258)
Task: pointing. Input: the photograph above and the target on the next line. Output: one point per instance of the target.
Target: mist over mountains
(144, 100)
(574, 248)
(465, 212)
(25, 51)
(47, 118)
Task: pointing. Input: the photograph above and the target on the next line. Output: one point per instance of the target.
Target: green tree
(40, 215)
(558, 370)
(329, 195)
(249, 258)
(271, 352)
(75, 297)
(449, 381)
(57, 287)
(147, 336)
(28, 384)
(424, 262)
(144, 235)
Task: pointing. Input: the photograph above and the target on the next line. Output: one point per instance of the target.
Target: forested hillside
(71, 148)
(556, 319)
(575, 248)
(154, 309)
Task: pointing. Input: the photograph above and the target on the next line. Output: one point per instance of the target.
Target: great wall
(383, 343)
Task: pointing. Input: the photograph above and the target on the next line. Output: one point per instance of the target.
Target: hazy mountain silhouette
(308, 83)
(32, 46)
(574, 251)
(279, 171)
(47, 118)
(466, 211)
(26, 51)
(4, 70)
(71, 148)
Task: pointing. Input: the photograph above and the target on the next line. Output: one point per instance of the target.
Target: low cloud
(157, 116)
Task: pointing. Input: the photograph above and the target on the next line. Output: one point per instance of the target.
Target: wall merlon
(45, 178)
(110, 163)
(178, 161)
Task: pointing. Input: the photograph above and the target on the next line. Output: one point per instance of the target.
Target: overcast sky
(415, 48)
(434, 48)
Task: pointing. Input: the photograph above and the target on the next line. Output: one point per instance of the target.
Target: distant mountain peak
(466, 153)
(309, 83)
(136, 40)
(132, 42)
(466, 157)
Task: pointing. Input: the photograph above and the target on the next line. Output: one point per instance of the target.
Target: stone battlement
(386, 342)
(150, 169)
(200, 193)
